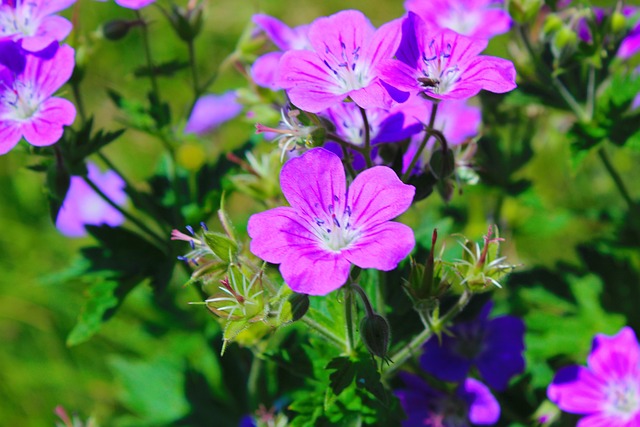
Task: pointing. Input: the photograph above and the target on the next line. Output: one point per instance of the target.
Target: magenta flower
(470, 404)
(265, 69)
(134, 4)
(83, 206)
(27, 108)
(444, 64)
(347, 49)
(608, 390)
(210, 111)
(34, 22)
(329, 227)
(473, 18)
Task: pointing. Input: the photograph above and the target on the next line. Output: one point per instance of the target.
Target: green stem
(348, 318)
(347, 161)
(410, 349)
(616, 178)
(147, 52)
(367, 138)
(323, 331)
(113, 167)
(364, 298)
(423, 144)
(75, 87)
(194, 73)
(162, 242)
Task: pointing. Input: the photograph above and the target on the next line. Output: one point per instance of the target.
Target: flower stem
(347, 161)
(367, 138)
(423, 144)
(136, 221)
(363, 297)
(348, 318)
(194, 73)
(75, 87)
(616, 178)
(410, 349)
(147, 51)
(323, 331)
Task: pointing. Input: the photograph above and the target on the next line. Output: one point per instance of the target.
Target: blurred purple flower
(247, 421)
(83, 206)
(494, 346)
(347, 49)
(608, 390)
(471, 403)
(444, 65)
(33, 22)
(329, 227)
(631, 43)
(473, 18)
(211, 111)
(134, 4)
(27, 108)
(265, 69)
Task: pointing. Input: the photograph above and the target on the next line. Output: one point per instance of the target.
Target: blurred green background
(128, 374)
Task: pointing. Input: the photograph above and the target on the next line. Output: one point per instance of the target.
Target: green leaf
(345, 371)
(95, 312)
(164, 69)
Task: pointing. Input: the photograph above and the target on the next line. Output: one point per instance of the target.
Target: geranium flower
(473, 18)
(33, 22)
(264, 70)
(26, 105)
(471, 403)
(347, 49)
(210, 111)
(494, 346)
(608, 390)
(443, 64)
(329, 227)
(83, 206)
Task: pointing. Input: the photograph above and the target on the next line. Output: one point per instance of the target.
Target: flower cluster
(32, 68)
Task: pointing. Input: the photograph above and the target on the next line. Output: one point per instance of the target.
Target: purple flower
(247, 421)
(27, 108)
(494, 346)
(83, 206)
(329, 227)
(608, 390)
(33, 22)
(631, 43)
(265, 69)
(474, 18)
(444, 64)
(472, 402)
(347, 49)
(210, 111)
(134, 4)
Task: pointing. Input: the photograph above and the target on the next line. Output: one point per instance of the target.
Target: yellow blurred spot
(191, 156)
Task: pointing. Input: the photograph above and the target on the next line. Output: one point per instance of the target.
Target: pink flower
(346, 51)
(329, 227)
(84, 206)
(608, 390)
(210, 111)
(27, 108)
(443, 64)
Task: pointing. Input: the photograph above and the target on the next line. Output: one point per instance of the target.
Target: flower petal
(10, 135)
(348, 29)
(211, 111)
(615, 357)
(577, 390)
(315, 272)
(377, 195)
(381, 247)
(484, 409)
(502, 356)
(441, 361)
(46, 127)
(264, 70)
(50, 75)
(278, 32)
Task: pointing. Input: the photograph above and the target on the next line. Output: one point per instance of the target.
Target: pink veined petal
(313, 182)
(278, 32)
(45, 128)
(484, 409)
(372, 96)
(277, 235)
(348, 29)
(53, 6)
(400, 76)
(495, 21)
(264, 70)
(210, 111)
(9, 136)
(49, 75)
(616, 356)
(461, 48)
(602, 420)
(493, 74)
(55, 27)
(377, 195)
(381, 247)
(577, 390)
(384, 43)
(315, 272)
(134, 4)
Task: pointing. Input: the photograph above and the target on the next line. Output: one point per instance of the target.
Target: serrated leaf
(95, 312)
(345, 371)
(165, 69)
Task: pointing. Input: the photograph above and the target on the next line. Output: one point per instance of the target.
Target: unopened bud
(375, 333)
(618, 22)
(524, 10)
(442, 163)
(118, 28)
(552, 24)
(221, 245)
(294, 308)
(186, 22)
(565, 37)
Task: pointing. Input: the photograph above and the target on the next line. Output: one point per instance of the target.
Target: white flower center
(623, 398)
(21, 101)
(438, 76)
(461, 20)
(19, 19)
(335, 231)
(346, 68)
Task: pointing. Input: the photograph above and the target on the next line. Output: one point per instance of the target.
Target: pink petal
(377, 195)
(372, 96)
(577, 390)
(495, 21)
(278, 32)
(50, 75)
(134, 4)
(45, 128)
(400, 76)
(315, 272)
(9, 136)
(602, 420)
(53, 6)
(381, 247)
(616, 356)
(264, 70)
(384, 43)
(348, 28)
(313, 182)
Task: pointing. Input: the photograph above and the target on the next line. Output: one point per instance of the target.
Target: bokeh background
(131, 373)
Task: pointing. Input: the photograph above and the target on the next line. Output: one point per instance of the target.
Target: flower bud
(524, 11)
(186, 22)
(118, 28)
(618, 22)
(375, 333)
(294, 308)
(221, 245)
(442, 163)
(552, 24)
(191, 156)
(565, 37)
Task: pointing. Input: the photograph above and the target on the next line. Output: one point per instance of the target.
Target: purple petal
(50, 75)
(52, 6)
(46, 126)
(373, 96)
(315, 272)
(381, 247)
(10, 135)
(210, 111)
(484, 409)
(494, 22)
(348, 28)
(383, 44)
(503, 347)
(577, 390)
(377, 195)
(134, 4)
(52, 28)
(11, 56)
(409, 52)
(264, 70)
(278, 32)
(442, 362)
(399, 76)
(615, 357)
(313, 182)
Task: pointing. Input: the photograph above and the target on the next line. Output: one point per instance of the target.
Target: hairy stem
(423, 144)
(367, 138)
(604, 157)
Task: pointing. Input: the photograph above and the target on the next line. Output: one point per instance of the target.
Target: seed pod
(375, 333)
